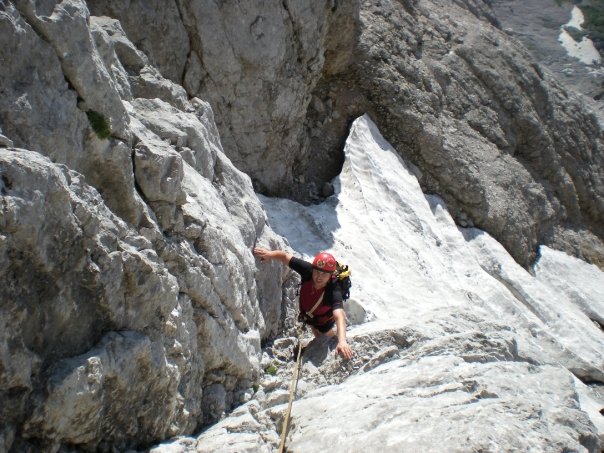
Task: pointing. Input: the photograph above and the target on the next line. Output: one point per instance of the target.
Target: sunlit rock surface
(128, 287)
(461, 348)
(132, 310)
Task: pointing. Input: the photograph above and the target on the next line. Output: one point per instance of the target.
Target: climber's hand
(343, 349)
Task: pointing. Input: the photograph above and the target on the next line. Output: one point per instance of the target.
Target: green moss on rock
(99, 124)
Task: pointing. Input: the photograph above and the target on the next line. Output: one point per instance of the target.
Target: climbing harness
(292, 391)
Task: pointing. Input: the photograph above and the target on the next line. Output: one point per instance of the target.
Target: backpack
(342, 278)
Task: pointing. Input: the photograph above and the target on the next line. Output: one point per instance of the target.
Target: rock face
(256, 63)
(129, 291)
(461, 348)
(538, 25)
(491, 130)
(131, 307)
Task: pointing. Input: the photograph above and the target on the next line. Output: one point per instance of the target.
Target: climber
(320, 297)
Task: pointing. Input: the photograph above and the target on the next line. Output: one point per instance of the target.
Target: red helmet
(324, 262)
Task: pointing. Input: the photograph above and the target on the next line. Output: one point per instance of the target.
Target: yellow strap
(342, 275)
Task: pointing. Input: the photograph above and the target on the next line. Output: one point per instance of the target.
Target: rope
(292, 391)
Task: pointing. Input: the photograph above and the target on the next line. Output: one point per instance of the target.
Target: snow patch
(410, 260)
(584, 50)
(455, 327)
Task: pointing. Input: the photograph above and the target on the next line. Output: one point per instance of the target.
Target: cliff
(134, 138)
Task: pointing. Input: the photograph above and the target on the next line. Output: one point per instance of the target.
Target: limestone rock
(490, 130)
(564, 277)
(68, 261)
(6, 142)
(129, 287)
(35, 93)
(109, 38)
(65, 27)
(125, 366)
(129, 290)
(235, 56)
(460, 335)
(41, 111)
(155, 28)
(84, 266)
(482, 396)
(189, 132)
(468, 106)
(538, 25)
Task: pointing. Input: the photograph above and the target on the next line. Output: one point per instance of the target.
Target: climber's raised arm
(270, 255)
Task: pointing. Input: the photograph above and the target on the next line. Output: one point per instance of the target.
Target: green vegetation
(594, 21)
(593, 10)
(99, 124)
(271, 369)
